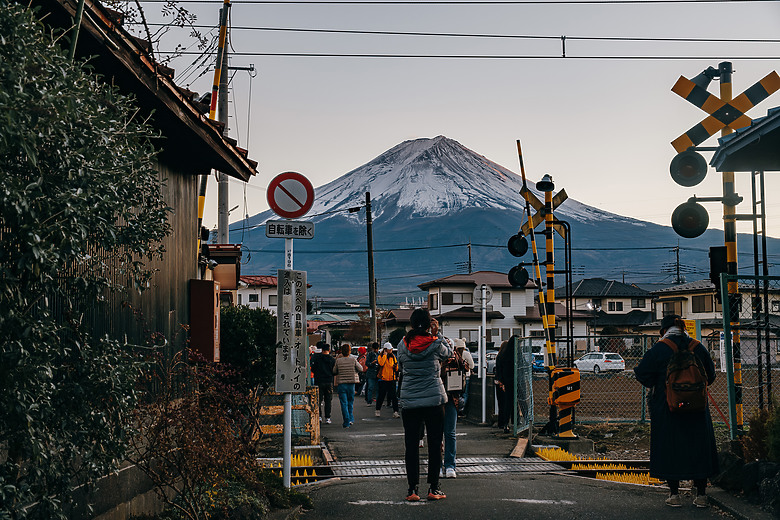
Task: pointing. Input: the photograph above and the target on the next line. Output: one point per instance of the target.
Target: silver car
(597, 362)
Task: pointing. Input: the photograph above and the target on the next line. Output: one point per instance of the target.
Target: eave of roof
(753, 148)
(102, 34)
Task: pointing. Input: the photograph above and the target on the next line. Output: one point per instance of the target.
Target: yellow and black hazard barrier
(565, 394)
(629, 472)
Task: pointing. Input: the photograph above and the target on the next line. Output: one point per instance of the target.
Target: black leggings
(700, 484)
(413, 418)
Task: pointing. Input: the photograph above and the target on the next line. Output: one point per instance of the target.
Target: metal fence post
(642, 388)
(726, 306)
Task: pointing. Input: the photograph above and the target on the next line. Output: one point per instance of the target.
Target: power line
(568, 56)
(468, 2)
(500, 36)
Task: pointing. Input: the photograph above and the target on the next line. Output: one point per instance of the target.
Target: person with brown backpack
(678, 369)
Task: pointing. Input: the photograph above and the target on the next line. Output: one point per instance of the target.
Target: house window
(505, 334)
(494, 334)
(637, 303)
(616, 306)
(596, 302)
(456, 298)
(239, 298)
(469, 335)
(506, 299)
(272, 300)
(433, 301)
(537, 333)
(775, 305)
(701, 303)
(670, 308)
(254, 298)
(517, 332)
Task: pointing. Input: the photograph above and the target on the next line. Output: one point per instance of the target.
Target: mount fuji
(439, 208)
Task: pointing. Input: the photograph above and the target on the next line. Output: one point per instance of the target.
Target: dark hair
(345, 349)
(325, 347)
(671, 320)
(374, 346)
(420, 321)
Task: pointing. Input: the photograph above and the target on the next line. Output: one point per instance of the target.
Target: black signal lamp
(688, 168)
(546, 184)
(718, 264)
(517, 245)
(518, 276)
(690, 219)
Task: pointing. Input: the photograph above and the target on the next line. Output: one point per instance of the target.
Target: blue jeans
(371, 389)
(450, 421)
(347, 400)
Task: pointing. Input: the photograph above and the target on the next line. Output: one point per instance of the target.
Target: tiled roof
(492, 278)
(634, 318)
(259, 280)
(468, 312)
(698, 285)
(601, 288)
(532, 314)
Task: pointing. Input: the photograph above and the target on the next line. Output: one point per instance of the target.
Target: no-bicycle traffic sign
(290, 195)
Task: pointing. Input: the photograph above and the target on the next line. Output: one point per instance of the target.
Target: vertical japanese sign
(292, 353)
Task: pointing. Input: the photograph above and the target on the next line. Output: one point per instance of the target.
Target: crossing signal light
(717, 265)
(517, 245)
(518, 276)
(690, 219)
(688, 168)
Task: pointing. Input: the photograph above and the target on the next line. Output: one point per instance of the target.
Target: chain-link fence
(609, 392)
(748, 344)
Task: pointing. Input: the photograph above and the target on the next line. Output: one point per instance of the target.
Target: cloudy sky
(599, 120)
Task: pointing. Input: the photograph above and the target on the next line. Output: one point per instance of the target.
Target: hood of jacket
(420, 343)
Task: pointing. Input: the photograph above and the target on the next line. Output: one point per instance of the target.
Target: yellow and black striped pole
(204, 178)
(730, 237)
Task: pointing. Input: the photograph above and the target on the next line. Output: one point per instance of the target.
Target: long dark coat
(682, 445)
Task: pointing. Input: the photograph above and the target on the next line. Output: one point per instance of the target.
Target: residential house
(258, 291)
(616, 306)
(512, 310)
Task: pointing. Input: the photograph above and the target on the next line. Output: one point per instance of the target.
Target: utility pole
(223, 193)
(371, 281)
(470, 266)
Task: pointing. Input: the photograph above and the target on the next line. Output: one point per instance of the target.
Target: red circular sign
(290, 195)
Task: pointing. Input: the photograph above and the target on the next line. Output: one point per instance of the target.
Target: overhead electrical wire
(566, 56)
(501, 36)
(468, 2)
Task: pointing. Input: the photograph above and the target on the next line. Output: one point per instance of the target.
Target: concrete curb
(735, 506)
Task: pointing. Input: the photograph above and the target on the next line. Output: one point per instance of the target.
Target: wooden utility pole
(371, 281)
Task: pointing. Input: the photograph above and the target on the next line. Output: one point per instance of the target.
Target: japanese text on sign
(292, 349)
(289, 229)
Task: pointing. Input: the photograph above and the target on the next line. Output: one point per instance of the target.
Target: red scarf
(420, 343)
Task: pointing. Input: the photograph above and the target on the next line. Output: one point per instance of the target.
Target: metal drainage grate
(471, 465)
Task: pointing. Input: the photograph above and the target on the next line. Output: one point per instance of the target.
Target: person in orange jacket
(388, 377)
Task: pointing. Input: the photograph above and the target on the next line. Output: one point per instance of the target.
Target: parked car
(490, 359)
(600, 362)
(538, 364)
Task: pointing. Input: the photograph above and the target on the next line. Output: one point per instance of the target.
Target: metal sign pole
(287, 463)
(482, 347)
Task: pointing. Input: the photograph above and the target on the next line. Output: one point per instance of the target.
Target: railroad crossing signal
(722, 114)
(538, 205)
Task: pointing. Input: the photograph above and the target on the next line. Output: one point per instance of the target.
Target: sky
(599, 120)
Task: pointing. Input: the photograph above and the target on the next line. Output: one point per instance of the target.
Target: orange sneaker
(436, 494)
(412, 496)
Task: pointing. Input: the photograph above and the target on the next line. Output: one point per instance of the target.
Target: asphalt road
(481, 496)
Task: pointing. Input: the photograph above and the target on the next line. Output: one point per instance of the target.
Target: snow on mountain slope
(434, 177)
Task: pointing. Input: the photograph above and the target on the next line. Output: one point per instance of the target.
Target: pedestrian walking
(346, 372)
(504, 381)
(460, 346)
(372, 371)
(420, 353)
(322, 364)
(362, 376)
(682, 444)
(387, 379)
(453, 375)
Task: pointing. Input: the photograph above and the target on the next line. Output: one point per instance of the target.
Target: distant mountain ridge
(430, 197)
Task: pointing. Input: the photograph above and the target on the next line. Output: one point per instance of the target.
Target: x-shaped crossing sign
(722, 114)
(538, 205)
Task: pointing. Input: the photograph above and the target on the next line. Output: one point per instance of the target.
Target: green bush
(81, 213)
